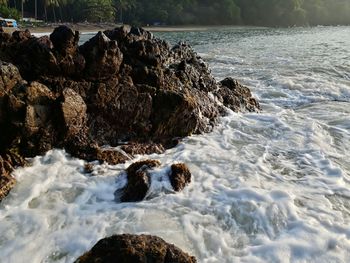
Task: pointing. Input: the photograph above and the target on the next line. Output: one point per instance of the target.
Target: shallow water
(267, 187)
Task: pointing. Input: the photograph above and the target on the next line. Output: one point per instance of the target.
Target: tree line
(185, 12)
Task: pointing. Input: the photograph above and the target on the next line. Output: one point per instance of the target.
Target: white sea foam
(267, 187)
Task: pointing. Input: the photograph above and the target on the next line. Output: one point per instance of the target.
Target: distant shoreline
(98, 27)
(93, 28)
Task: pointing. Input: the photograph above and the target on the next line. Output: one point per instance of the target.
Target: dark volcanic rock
(180, 176)
(112, 156)
(123, 88)
(9, 76)
(237, 97)
(21, 35)
(34, 57)
(65, 40)
(138, 181)
(137, 249)
(65, 47)
(8, 161)
(103, 57)
(73, 113)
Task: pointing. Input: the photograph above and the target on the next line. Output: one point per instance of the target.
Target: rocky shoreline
(123, 88)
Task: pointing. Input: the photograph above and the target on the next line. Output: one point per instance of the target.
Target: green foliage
(187, 12)
(97, 10)
(179, 12)
(8, 12)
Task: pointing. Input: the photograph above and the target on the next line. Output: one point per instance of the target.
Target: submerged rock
(137, 249)
(123, 88)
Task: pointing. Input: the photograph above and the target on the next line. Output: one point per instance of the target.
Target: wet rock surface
(139, 179)
(123, 88)
(133, 248)
(180, 176)
(8, 162)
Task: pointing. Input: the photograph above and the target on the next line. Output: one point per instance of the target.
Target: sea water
(267, 187)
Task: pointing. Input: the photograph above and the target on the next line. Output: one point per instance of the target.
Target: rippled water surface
(267, 187)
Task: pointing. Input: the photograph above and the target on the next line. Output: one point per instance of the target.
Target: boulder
(137, 249)
(65, 47)
(180, 176)
(34, 58)
(138, 181)
(9, 77)
(65, 40)
(236, 96)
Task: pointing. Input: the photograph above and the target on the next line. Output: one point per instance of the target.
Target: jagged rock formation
(136, 249)
(122, 88)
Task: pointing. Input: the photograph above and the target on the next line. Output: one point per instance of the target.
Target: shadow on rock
(137, 249)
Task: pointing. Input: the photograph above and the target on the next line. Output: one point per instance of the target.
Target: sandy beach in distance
(89, 27)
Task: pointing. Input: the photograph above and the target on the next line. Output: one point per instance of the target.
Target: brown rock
(74, 113)
(65, 40)
(19, 36)
(65, 43)
(103, 57)
(7, 182)
(88, 168)
(143, 148)
(138, 181)
(35, 58)
(111, 156)
(123, 88)
(9, 77)
(8, 162)
(137, 249)
(37, 93)
(180, 176)
(237, 97)
(4, 38)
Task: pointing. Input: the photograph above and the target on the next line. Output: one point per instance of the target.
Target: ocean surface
(267, 187)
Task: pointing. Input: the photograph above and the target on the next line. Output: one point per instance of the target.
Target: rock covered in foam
(123, 88)
(139, 179)
(236, 96)
(137, 249)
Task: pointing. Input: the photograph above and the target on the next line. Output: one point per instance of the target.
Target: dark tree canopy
(187, 12)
